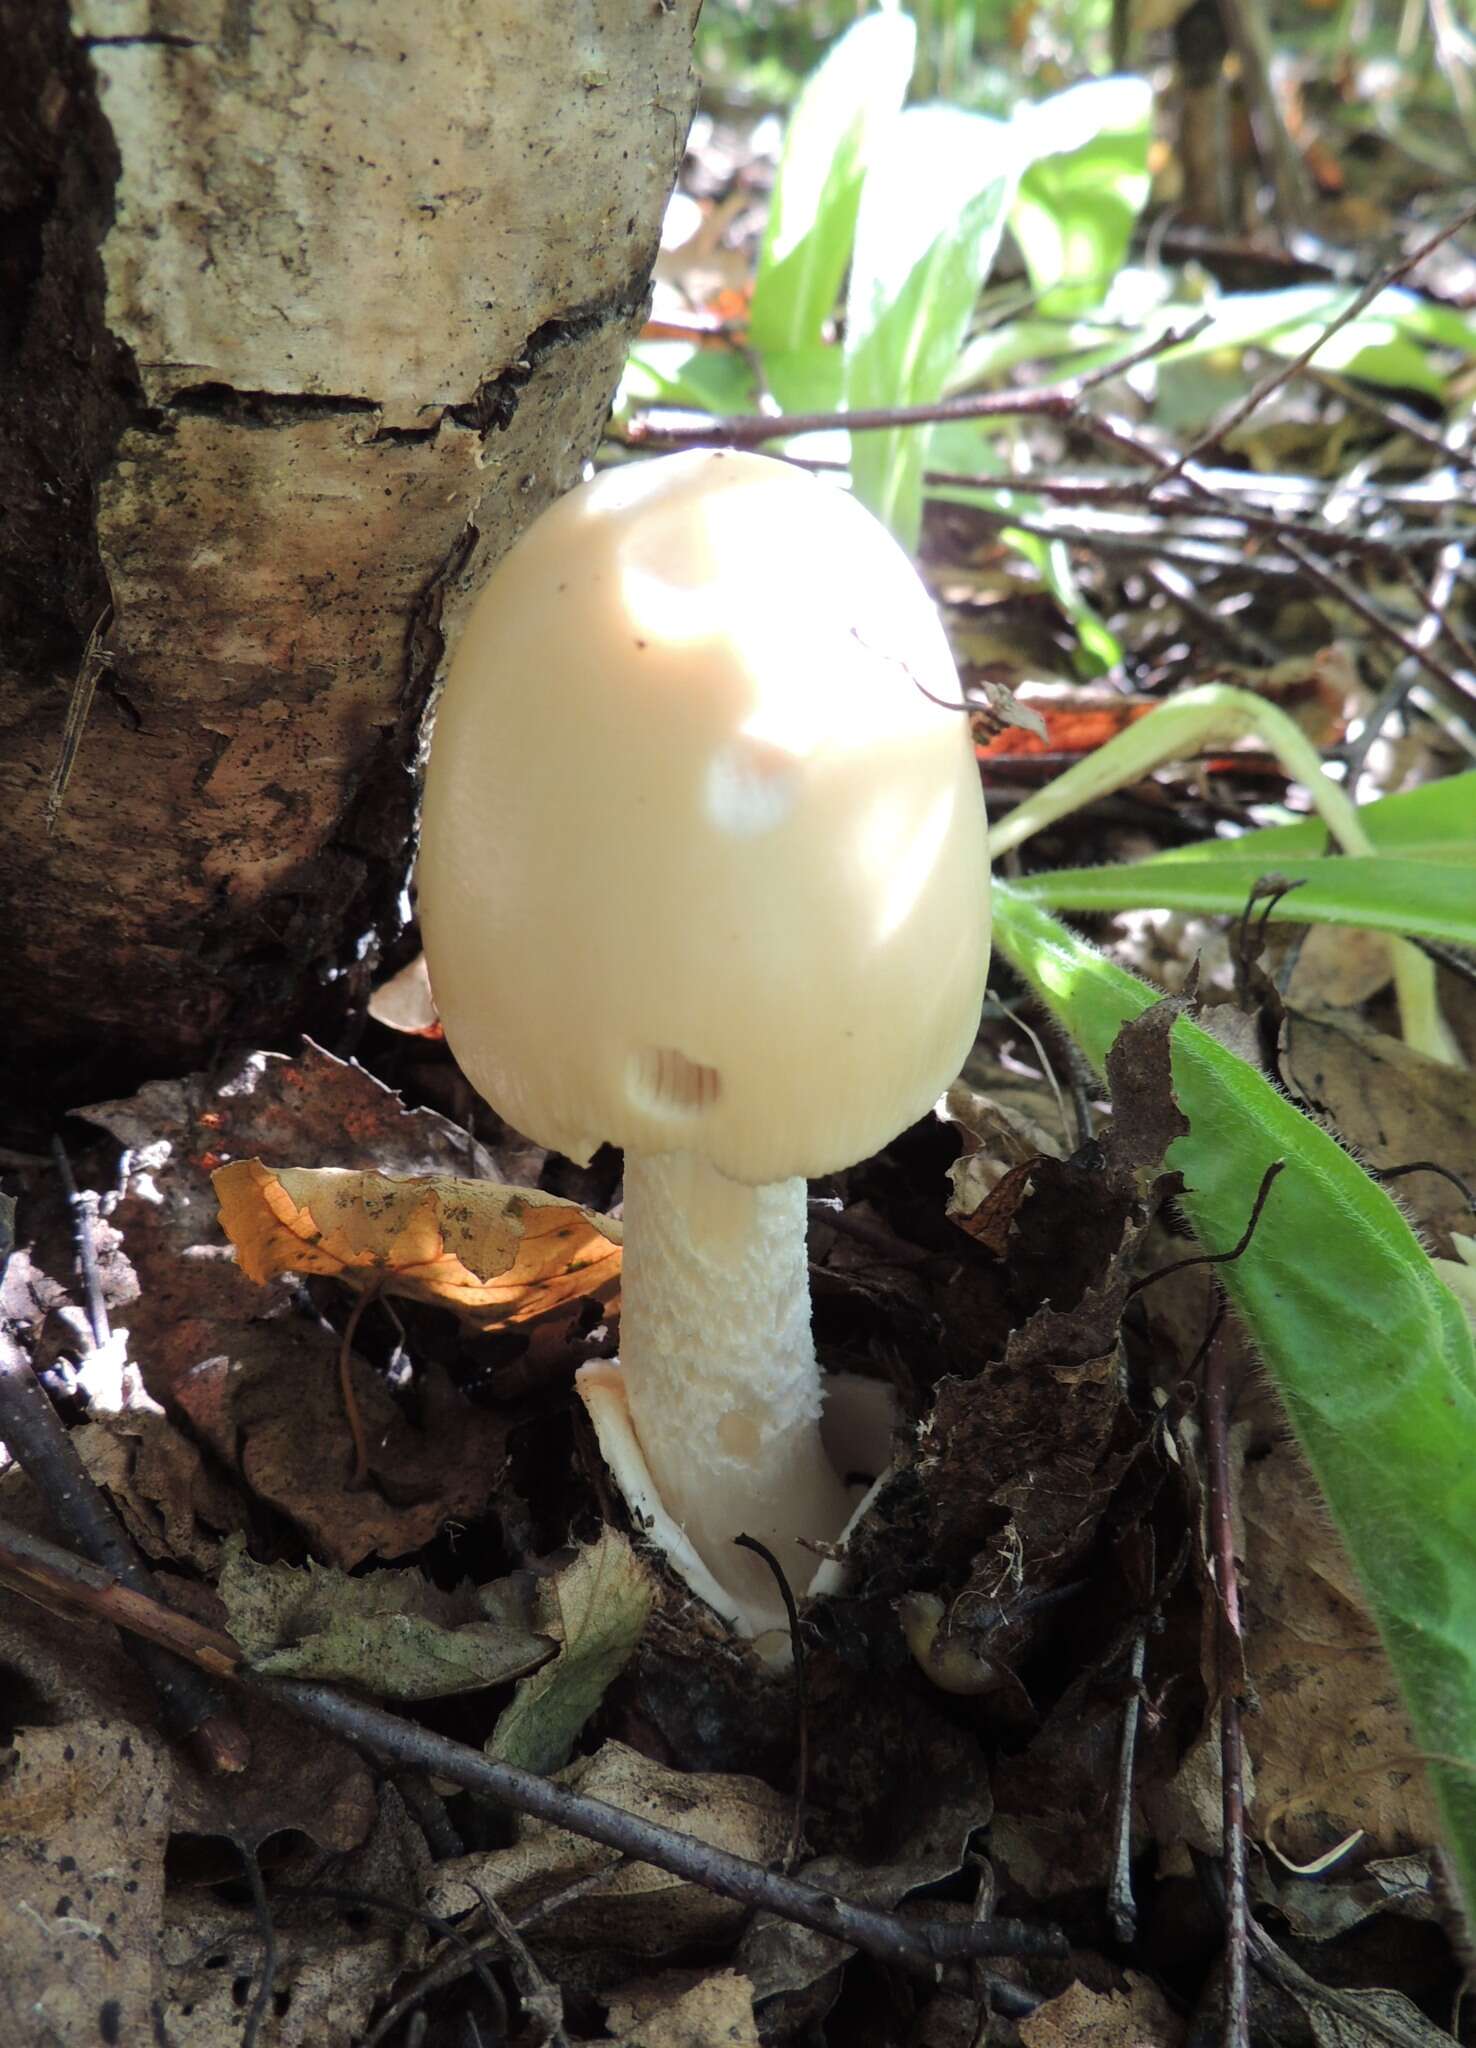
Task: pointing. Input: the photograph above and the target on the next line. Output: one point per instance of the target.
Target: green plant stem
(1215, 714)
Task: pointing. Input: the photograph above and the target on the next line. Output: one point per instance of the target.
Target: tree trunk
(306, 308)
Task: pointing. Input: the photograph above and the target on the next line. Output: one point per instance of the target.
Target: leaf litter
(1033, 1460)
(1043, 1511)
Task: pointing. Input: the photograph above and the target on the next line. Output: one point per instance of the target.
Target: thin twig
(1359, 303)
(921, 1947)
(84, 1216)
(1122, 1907)
(1118, 434)
(1392, 697)
(1230, 1658)
(1049, 401)
(428, 1810)
(353, 1413)
(95, 658)
(189, 1705)
(1468, 1195)
(541, 1998)
(470, 1955)
(1397, 418)
(801, 1697)
(261, 1905)
(1236, 1251)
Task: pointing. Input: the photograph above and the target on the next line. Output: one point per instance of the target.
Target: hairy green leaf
(1369, 1350)
(1423, 899)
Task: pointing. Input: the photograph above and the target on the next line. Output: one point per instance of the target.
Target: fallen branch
(924, 1948)
(189, 1705)
(1229, 1672)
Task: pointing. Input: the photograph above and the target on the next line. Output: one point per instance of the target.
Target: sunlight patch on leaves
(491, 1253)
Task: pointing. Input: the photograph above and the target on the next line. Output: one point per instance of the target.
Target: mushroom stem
(720, 1372)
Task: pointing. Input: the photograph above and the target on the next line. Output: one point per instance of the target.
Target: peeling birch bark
(307, 307)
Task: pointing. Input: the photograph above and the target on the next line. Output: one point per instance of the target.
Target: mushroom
(704, 873)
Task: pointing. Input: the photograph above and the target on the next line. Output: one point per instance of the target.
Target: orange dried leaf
(494, 1254)
(1069, 729)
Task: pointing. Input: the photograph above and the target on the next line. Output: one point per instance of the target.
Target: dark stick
(1236, 1251)
(1359, 303)
(918, 1947)
(84, 1215)
(1397, 418)
(1119, 435)
(1392, 697)
(921, 1947)
(801, 1699)
(54, 1578)
(1467, 1194)
(189, 1704)
(1122, 1907)
(1280, 161)
(1229, 1645)
(1048, 401)
(261, 1906)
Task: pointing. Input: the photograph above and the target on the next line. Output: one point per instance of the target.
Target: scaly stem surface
(720, 1372)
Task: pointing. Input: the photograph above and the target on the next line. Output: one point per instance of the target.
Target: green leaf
(680, 373)
(1370, 1352)
(1099, 647)
(812, 215)
(596, 1609)
(392, 1633)
(1421, 899)
(932, 212)
(992, 354)
(1434, 822)
(1388, 342)
(1073, 215)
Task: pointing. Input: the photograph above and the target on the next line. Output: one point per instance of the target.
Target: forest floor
(1008, 1742)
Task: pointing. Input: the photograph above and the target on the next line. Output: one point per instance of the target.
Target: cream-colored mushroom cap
(703, 864)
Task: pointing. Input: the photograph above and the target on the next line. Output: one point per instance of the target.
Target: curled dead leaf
(494, 1254)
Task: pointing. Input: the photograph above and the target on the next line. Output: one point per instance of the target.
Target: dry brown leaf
(494, 1254)
(334, 1958)
(1392, 1105)
(672, 2011)
(84, 1818)
(1140, 2017)
(1328, 1752)
(272, 1409)
(640, 1909)
(173, 1504)
(1331, 1729)
(1338, 968)
(195, 1305)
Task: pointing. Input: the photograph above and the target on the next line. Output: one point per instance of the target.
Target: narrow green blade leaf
(1369, 1350)
(932, 212)
(855, 92)
(1435, 822)
(1388, 342)
(1421, 899)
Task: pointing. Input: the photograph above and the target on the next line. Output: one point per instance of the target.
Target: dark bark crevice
(68, 387)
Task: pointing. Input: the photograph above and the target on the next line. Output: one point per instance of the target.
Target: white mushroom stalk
(704, 874)
(720, 1373)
